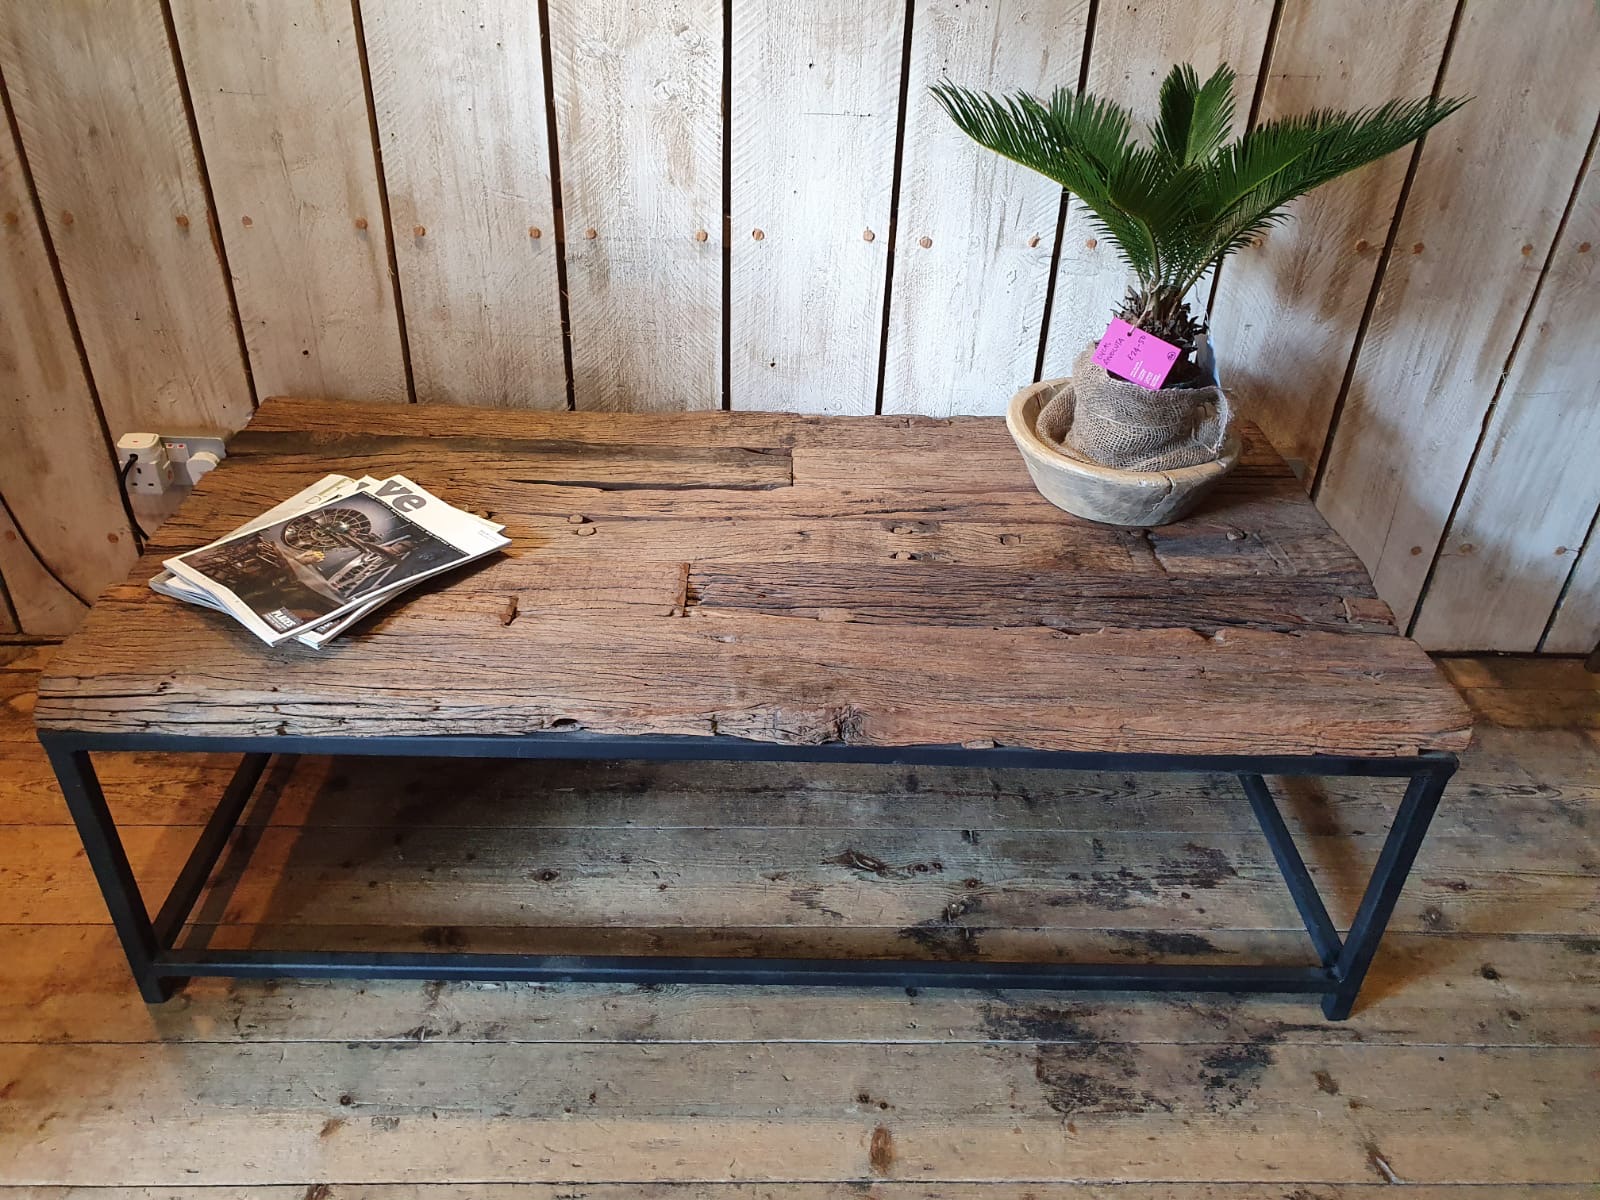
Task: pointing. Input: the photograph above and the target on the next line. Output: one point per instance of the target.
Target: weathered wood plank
(768, 678)
(1287, 310)
(70, 984)
(29, 584)
(311, 420)
(695, 1112)
(565, 464)
(102, 119)
(850, 1190)
(888, 1190)
(1533, 490)
(976, 231)
(26, 657)
(638, 111)
(461, 119)
(1134, 46)
(282, 116)
(1576, 627)
(1485, 203)
(1247, 534)
(50, 434)
(1512, 694)
(296, 416)
(815, 102)
(1242, 547)
(993, 598)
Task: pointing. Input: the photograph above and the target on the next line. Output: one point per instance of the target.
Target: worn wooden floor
(1474, 1059)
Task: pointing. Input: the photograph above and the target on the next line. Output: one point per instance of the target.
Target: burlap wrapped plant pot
(1131, 428)
(1041, 419)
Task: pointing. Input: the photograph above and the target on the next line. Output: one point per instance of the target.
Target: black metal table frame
(159, 965)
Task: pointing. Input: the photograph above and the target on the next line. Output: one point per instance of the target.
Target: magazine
(315, 564)
(320, 634)
(326, 488)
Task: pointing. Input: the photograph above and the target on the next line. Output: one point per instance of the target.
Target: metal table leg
(1383, 891)
(103, 847)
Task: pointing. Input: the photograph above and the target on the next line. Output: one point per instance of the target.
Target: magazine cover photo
(296, 572)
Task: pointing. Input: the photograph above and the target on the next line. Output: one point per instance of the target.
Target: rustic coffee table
(759, 586)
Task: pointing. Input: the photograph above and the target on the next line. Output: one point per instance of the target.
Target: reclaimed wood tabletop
(877, 581)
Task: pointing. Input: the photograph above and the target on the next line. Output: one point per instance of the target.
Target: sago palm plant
(1181, 204)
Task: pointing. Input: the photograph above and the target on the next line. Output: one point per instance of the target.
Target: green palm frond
(1195, 118)
(1082, 143)
(1178, 206)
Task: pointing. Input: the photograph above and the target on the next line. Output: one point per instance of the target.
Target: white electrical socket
(182, 447)
(194, 454)
(152, 471)
(168, 460)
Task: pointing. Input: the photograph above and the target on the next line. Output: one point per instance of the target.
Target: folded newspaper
(327, 556)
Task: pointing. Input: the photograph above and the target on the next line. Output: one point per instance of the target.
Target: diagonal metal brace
(1293, 868)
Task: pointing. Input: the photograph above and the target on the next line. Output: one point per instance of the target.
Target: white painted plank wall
(1490, 189)
(1134, 47)
(815, 94)
(1287, 311)
(282, 116)
(1535, 485)
(1576, 627)
(102, 118)
(56, 480)
(460, 108)
(964, 317)
(638, 107)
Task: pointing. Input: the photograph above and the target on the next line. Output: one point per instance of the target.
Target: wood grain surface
(282, 116)
(460, 108)
(1486, 203)
(885, 581)
(1288, 308)
(101, 112)
(1534, 489)
(815, 98)
(638, 111)
(1575, 627)
(62, 529)
(966, 309)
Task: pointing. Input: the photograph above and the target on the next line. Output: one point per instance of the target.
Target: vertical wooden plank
(1135, 45)
(1287, 310)
(282, 115)
(638, 107)
(102, 119)
(1490, 188)
(1535, 484)
(965, 313)
(460, 102)
(8, 616)
(1576, 628)
(56, 474)
(815, 92)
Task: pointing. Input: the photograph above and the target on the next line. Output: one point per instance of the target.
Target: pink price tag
(1135, 355)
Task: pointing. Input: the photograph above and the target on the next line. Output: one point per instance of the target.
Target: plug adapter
(152, 471)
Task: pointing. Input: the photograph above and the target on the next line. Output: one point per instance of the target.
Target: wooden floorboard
(1470, 1069)
(882, 1189)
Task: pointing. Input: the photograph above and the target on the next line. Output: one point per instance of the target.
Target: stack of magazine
(327, 556)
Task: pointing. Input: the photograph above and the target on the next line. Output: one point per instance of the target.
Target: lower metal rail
(159, 966)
